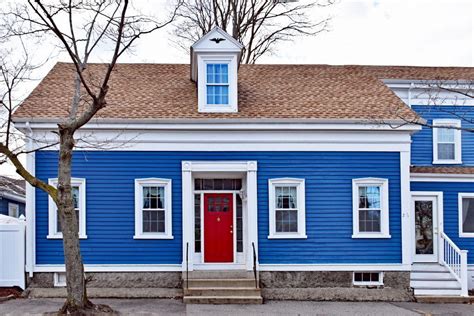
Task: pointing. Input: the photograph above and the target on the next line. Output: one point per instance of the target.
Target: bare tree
(453, 98)
(81, 28)
(258, 24)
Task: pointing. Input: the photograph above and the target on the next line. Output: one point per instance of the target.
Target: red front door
(218, 227)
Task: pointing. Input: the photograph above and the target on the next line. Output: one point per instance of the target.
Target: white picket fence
(12, 251)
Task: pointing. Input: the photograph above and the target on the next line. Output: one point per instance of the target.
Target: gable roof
(12, 188)
(272, 92)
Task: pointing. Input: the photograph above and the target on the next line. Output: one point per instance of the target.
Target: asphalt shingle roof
(164, 91)
(12, 186)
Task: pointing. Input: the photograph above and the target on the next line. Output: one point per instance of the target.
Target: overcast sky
(379, 32)
(382, 32)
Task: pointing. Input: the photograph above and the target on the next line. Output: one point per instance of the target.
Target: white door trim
(438, 196)
(249, 168)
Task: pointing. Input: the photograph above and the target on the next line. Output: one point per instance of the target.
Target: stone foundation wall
(116, 280)
(332, 286)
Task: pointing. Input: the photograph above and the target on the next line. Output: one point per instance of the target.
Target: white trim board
(111, 267)
(441, 177)
(335, 267)
(262, 267)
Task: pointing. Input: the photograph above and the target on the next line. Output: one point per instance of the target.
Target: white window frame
(53, 210)
(10, 209)
(367, 283)
(384, 205)
(300, 202)
(139, 184)
(462, 195)
(457, 141)
(231, 61)
(59, 279)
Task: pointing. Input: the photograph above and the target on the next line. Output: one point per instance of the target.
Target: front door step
(221, 287)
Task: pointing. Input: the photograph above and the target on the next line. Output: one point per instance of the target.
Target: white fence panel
(12, 251)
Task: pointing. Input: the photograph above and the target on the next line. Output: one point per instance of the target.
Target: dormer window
(214, 65)
(217, 84)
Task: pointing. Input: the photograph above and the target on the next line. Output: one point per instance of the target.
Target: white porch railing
(455, 260)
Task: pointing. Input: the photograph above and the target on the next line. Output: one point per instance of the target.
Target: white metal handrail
(455, 260)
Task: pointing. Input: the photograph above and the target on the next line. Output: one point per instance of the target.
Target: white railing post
(464, 277)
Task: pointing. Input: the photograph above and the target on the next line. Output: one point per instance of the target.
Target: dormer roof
(216, 41)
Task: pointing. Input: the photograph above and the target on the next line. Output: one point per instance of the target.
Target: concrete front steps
(221, 287)
(433, 280)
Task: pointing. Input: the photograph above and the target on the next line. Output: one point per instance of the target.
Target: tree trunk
(76, 285)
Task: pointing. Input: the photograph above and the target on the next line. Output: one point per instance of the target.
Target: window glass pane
(445, 135)
(369, 197)
(286, 221)
(217, 73)
(154, 221)
(285, 197)
(197, 222)
(468, 215)
(75, 196)
(239, 222)
(446, 151)
(217, 94)
(153, 197)
(369, 220)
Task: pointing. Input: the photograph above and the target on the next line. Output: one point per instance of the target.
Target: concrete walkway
(176, 307)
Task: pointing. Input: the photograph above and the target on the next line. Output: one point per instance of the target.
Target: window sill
(368, 284)
(447, 162)
(153, 237)
(61, 237)
(363, 236)
(466, 235)
(287, 236)
(227, 108)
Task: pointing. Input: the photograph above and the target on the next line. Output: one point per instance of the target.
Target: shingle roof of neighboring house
(443, 170)
(164, 91)
(10, 186)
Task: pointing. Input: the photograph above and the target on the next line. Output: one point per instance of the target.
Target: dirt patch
(9, 293)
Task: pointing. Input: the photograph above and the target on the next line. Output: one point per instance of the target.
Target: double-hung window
(78, 192)
(153, 209)
(466, 214)
(446, 141)
(370, 208)
(217, 83)
(287, 208)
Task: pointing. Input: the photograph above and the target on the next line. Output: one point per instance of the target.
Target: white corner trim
(405, 204)
(437, 124)
(30, 209)
(159, 182)
(384, 208)
(335, 267)
(299, 184)
(53, 210)
(462, 195)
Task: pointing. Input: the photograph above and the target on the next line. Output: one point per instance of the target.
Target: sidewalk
(176, 307)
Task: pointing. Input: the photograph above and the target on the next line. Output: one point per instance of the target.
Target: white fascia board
(240, 124)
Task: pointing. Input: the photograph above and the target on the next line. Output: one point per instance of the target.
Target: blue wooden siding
(110, 205)
(450, 208)
(422, 146)
(4, 206)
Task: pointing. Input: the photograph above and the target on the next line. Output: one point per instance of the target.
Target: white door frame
(437, 198)
(219, 168)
